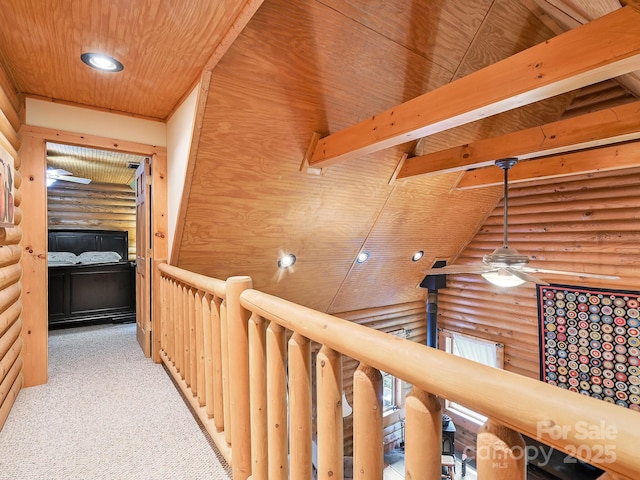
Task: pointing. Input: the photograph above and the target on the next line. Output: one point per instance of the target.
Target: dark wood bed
(81, 294)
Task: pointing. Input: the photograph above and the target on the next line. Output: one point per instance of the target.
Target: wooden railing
(243, 358)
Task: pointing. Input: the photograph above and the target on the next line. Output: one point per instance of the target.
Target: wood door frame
(34, 224)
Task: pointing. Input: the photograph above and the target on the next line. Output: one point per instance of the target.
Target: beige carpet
(106, 413)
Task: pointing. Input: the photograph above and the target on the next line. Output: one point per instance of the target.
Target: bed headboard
(78, 241)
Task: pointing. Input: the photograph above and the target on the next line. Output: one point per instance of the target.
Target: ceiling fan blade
(57, 171)
(525, 276)
(454, 269)
(67, 178)
(575, 274)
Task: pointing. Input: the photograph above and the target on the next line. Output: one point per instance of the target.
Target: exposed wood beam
(569, 61)
(571, 14)
(599, 128)
(615, 157)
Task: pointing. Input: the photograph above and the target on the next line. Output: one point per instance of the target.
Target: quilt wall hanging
(590, 342)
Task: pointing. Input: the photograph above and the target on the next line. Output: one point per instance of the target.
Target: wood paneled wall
(588, 223)
(98, 206)
(11, 343)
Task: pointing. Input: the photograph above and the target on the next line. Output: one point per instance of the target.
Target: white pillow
(62, 258)
(98, 257)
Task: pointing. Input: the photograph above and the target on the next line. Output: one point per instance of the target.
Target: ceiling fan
(54, 174)
(505, 266)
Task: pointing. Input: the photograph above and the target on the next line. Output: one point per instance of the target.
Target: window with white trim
(389, 402)
(393, 389)
(476, 349)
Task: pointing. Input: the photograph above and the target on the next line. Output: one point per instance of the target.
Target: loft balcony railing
(243, 360)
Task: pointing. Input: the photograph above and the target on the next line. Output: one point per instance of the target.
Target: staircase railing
(243, 359)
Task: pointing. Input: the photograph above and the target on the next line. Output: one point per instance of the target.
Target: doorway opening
(92, 235)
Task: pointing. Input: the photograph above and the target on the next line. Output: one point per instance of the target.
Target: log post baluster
(216, 358)
(501, 453)
(180, 357)
(329, 407)
(423, 445)
(205, 306)
(186, 335)
(163, 312)
(199, 380)
(277, 402)
(170, 331)
(224, 363)
(238, 350)
(192, 342)
(367, 423)
(258, 397)
(177, 321)
(300, 428)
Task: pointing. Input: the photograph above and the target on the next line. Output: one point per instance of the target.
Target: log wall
(409, 321)
(587, 223)
(98, 206)
(11, 343)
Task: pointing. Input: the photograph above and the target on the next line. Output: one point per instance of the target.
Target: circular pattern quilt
(590, 342)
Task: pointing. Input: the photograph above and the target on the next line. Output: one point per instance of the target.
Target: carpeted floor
(107, 413)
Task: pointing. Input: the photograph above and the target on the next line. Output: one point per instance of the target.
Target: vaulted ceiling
(275, 72)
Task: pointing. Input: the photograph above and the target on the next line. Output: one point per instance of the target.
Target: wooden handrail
(210, 285)
(556, 417)
(225, 345)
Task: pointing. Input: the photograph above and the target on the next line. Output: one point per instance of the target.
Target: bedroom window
(476, 349)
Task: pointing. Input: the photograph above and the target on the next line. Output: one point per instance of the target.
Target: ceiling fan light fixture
(506, 267)
(102, 62)
(502, 279)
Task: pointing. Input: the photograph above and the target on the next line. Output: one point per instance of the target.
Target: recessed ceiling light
(362, 257)
(417, 256)
(287, 260)
(102, 62)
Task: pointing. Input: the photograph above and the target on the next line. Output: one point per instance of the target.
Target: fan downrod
(505, 164)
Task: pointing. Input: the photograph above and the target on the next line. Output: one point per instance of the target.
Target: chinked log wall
(11, 344)
(588, 222)
(96, 206)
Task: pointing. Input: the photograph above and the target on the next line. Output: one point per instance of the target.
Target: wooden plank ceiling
(99, 166)
(163, 46)
(317, 66)
(340, 63)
